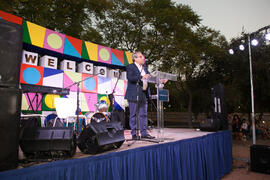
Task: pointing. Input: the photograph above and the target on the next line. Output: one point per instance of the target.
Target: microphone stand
(111, 96)
(78, 92)
(138, 138)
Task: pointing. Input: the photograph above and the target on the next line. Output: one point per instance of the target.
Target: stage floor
(170, 135)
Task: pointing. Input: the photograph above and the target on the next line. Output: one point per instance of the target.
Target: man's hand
(163, 81)
(146, 76)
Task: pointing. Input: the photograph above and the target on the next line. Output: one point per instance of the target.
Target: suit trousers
(142, 115)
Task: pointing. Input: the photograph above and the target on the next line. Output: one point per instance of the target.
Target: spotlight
(267, 36)
(231, 51)
(254, 42)
(242, 47)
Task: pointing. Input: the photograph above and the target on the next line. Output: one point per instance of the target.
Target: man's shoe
(148, 136)
(135, 137)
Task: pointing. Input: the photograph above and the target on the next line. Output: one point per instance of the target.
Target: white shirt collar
(140, 67)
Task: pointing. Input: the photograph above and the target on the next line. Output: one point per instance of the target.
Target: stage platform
(189, 154)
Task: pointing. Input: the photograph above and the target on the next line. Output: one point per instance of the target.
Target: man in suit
(137, 94)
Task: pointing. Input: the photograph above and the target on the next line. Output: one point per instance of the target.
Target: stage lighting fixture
(231, 51)
(242, 47)
(267, 36)
(254, 42)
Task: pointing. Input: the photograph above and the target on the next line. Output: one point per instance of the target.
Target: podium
(162, 95)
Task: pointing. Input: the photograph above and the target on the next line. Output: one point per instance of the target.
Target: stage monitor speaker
(210, 125)
(260, 158)
(99, 137)
(11, 36)
(10, 105)
(48, 142)
(218, 121)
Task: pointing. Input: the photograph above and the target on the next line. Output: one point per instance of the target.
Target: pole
(251, 93)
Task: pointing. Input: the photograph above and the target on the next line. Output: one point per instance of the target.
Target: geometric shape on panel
(54, 41)
(119, 102)
(11, 18)
(104, 54)
(70, 80)
(128, 58)
(120, 87)
(104, 85)
(90, 51)
(35, 99)
(88, 102)
(117, 57)
(31, 74)
(26, 35)
(24, 103)
(73, 46)
(104, 97)
(48, 102)
(89, 83)
(36, 33)
(53, 77)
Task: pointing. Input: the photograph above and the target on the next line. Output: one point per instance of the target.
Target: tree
(170, 36)
(71, 17)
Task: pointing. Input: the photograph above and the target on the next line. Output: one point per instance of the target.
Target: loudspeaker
(99, 137)
(10, 105)
(260, 158)
(11, 36)
(210, 124)
(47, 142)
(218, 121)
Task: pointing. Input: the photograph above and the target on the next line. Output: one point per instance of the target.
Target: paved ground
(241, 159)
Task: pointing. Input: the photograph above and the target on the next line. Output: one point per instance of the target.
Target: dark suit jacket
(134, 76)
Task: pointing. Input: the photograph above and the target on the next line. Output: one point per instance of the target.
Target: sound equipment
(218, 121)
(10, 105)
(99, 137)
(11, 36)
(48, 142)
(44, 89)
(210, 124)
(260, 158)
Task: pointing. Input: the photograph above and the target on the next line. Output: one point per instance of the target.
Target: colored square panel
(48, 102)
(104, 85)
(88, 102)
(89, 83)
(119, 87)
(34, 98)
(128, 58)
(90, 51)
(73, 46)
(71, 79)
(104, 97)
(36, 34)
(54, 41)
(119, 102)
(11, 18)
(53, 77)
(117, 57)
(31, 74)
(104, 54)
